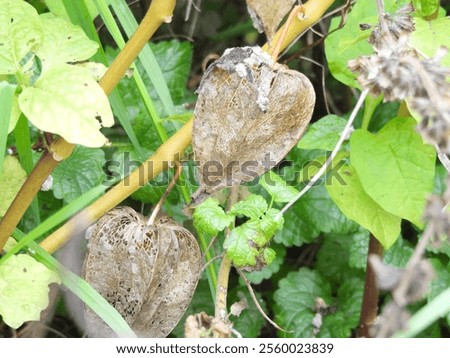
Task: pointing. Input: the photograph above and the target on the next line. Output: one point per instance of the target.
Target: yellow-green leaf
(67, 101)
(349, 195)
(20, 34)
(24, 289)
(11, 179)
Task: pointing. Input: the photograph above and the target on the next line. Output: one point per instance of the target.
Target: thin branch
(322, 170)
(163, 198)
(255, 300)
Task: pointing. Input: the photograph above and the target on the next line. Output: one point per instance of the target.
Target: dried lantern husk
(266, 15)
(249, 113)
(147, 272)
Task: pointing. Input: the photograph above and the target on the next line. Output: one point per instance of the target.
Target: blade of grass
(81, 289)
(59, 217)
(114, 30)
(23, 146)
(431, 312)
(6, 97)
(79, 15)
(146, 56)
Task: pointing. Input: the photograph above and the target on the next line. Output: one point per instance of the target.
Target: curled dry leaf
(250, 112)
(148, 273)
(201, 325)
(267, 14)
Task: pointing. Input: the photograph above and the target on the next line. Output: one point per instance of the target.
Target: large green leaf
(357, 205)
(429, 36)
(395, 167)
(79, 173)
(12, 177)
(63, 42)
(24, 289)
(295, 301)
(350, 42)
(20, 34)
(67, 101)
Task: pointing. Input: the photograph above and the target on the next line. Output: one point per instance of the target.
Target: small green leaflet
(357, 205)
(20, 276)
(277, 187)
(395, 167)
(425, 8)
(253, 207)
(78, 114)
(239, 248)
(11, 179)
(256, 277)
(20, 34)
(210, 218)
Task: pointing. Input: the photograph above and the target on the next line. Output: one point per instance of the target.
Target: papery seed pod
(147, 272)
(250, 112)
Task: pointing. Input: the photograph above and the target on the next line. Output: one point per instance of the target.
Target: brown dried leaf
(267, 14)
(250, 112)
(148, 273)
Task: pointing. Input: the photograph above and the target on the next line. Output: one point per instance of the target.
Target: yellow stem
(312, 10)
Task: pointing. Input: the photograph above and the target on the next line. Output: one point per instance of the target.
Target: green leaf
(323, 134)
(20, 34)
(429, 36)
(395, 167)
(250, 322)
(67, 101)
(24, 289)
(295, 301)
(12, 177)
(296, 230)
(349, 195)
(63, 42)
(256, 277)
(210, 218)
(333, 258)
(269, 255)
(425, 8)
(340, 323)
(358, 249)
(271, 222)
(253, 207)
(277, 187)
(79, 173)
(399, 254)
(239, 248)
(350, 42)
(174, 58)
